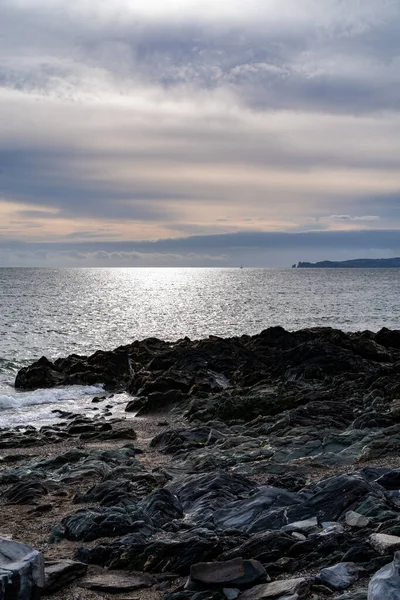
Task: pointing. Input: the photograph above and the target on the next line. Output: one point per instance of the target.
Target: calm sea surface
(56, 312)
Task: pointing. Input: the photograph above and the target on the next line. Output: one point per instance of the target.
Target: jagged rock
(142, 517)
(383, 543)
(265, 547)
(235, 572)
(278, 589)
(112, 583)
(58, 574)
(21, 571)
(201, 495)
(385, 584)
(354, 519)
(113, 492)
(340, 576)
(27, 492)
(174, 440)
(152, 553)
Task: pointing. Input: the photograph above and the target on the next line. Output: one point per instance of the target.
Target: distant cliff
(357, 263)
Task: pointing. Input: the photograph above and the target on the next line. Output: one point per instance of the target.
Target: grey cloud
(272, 240)
(282, 64)
(354, 218)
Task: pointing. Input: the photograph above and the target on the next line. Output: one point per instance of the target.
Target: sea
(57, 312)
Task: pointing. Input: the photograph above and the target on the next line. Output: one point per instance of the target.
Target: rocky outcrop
(287, 463)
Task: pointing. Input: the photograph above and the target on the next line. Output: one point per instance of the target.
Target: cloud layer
(157, 120)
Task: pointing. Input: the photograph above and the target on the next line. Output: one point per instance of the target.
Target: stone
(21, 571)
(354, 519)
(340, 576)
(58, 574)
(231, 593)
(278, 589)
(384, 543)
(116, 582)
(231, 573)
(385, 584)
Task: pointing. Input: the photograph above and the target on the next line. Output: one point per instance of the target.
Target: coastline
(306, 422)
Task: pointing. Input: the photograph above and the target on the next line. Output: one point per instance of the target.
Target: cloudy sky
(179, 132)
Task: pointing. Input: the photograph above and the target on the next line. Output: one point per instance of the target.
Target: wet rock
(250, 514)
(232, 573)
(143, 517)
(21, 571)
(384, 543)
(114, 491)
(265, 547)
(385, 584)
(173, 440)
(202, 495)
(59, 574)
(147, 551)
(112, 583)
(27, 493)
(340, 576)
(278, 589)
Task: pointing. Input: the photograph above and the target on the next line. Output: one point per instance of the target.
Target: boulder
(340, 576)
(383, 543)
(385, 584)
(231, 573)
(354, 519)
(111, 583)
(299, 588)
(21, 571)
(58, 574)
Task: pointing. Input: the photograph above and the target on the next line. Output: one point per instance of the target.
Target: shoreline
(273, 437)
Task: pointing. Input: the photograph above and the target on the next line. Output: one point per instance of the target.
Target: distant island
(357, 263)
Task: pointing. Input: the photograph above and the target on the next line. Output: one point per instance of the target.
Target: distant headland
(357, 263)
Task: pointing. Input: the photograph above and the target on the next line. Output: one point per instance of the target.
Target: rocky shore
(254, 467)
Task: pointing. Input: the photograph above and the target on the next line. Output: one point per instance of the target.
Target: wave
(48, 396)
(9, 366)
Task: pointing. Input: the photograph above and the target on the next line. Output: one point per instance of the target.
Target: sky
(186, 133)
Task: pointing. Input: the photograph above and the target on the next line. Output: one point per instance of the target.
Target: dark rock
(142, 517)
(27, 493)
(265, 547)
(340, 576)
(97, 399)
(232, 573)
(178, 439)
(41, 509)
(58, 574)
(279, 589)
(150, 552)
(121, 433)
(112, 583)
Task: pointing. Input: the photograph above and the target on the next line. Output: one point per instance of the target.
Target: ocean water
(56, 312)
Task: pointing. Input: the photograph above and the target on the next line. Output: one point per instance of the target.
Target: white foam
(48, 396)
